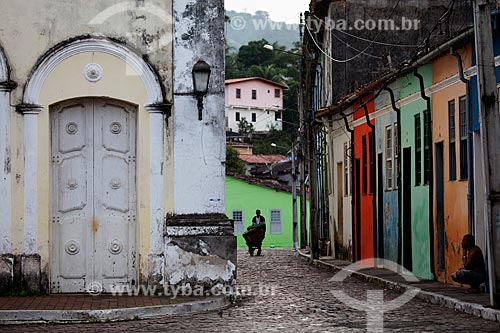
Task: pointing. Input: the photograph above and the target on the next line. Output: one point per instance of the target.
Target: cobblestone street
(302, 303)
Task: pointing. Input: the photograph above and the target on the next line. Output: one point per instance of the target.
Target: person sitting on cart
(258, 221)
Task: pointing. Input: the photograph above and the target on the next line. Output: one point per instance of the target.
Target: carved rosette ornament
(115, 247)
(115, 183)
(93, 72)
(72, 247)
(115, 128)
(72, 184)
(71, 128)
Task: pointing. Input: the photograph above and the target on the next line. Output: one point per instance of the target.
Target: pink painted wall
(265, 94)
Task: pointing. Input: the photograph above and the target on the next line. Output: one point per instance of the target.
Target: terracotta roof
(283, 167)
(269, 183)
(245, 79)
(262, 159)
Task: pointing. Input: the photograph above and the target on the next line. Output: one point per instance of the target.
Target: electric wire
(369, 40)
(359, 54)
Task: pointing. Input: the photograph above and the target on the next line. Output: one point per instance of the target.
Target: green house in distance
(244, 195)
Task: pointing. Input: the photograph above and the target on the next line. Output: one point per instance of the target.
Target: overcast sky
(279, 10)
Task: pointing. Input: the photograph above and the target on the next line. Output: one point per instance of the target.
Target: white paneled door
(93, 179)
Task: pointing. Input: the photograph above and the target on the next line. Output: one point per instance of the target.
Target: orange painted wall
(455, 192)
(366, 242)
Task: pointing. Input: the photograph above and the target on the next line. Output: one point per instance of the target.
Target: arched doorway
(93, 194)
(72, 116)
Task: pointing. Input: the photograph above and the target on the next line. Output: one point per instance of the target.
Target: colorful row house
(404, 162)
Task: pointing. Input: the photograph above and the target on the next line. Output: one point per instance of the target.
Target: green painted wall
(247, 197)
(421, 239)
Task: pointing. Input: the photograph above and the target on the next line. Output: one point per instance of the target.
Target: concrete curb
(10, 317)
(429, 297)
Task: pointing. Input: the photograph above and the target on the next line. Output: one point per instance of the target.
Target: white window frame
(346, 171)
(239, 226)
(389, 179)
(396, 156)
(273, 224)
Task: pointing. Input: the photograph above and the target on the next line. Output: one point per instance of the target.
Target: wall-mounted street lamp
(271, 48)
(201, 77)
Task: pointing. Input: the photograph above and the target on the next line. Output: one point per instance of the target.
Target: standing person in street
(256, 233)
(473, 273)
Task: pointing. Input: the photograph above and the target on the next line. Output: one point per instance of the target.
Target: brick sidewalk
(88, 302)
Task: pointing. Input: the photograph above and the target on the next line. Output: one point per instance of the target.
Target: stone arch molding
(51, 60)
(4, 69)
(6, 86)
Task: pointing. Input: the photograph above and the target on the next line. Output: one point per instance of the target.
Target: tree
(233, 163)
(281, 138)
(267, 72)
(244, 127)
(255, 54)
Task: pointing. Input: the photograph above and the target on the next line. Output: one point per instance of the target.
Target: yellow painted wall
(28, 30)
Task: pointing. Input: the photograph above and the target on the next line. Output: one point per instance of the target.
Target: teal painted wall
(421, 238)
(247, 197)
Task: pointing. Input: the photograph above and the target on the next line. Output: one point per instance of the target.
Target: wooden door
(93, 194)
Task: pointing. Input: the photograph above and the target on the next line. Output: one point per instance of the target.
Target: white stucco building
(108, 175)
(258, 100)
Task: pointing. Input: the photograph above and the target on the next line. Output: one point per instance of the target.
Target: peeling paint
(184, 266)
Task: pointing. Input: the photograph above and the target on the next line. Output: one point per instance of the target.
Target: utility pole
(294, 200)
(302, 147)
(302, 175)
(490, 136)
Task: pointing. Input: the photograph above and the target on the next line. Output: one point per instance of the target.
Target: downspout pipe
(353, 224)
(373, 184)
(430, 166)
(470, 146)
(398, 177)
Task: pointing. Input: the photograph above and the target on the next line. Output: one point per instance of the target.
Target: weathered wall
(200, 245)
(366, 219)
(390, 205)
(47, 50)
(420, 230)
(198, 172)
(340, 211)
(144, 27)
(364, 69)
(455, 191)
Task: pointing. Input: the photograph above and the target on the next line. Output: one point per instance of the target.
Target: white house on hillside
(258, 100)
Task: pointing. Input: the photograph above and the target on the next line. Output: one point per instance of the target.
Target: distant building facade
(246, 194)
(258, 100)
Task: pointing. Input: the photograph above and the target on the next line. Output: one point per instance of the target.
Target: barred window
(365, 164)
(371, 140)
(275, 221)
(238, 221)
(462, 107)
(388, 158)
(418, 150)
(451, 138)
(346, 171)
(396, 156)
(427, 148)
